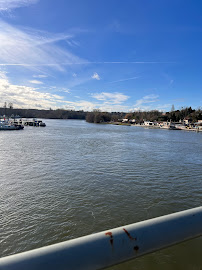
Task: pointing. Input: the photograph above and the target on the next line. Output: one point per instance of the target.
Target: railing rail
(101, 250)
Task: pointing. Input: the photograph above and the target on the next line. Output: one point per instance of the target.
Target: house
(186, 121)
(148, 123)
(132, 121)
(125, 120)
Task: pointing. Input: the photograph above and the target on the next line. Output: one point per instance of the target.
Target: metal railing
(101, 250)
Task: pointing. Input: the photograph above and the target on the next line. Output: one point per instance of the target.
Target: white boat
(5, 125)
(29, 122)
(33, 122)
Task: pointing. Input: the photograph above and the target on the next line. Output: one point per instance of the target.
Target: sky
(112, 55)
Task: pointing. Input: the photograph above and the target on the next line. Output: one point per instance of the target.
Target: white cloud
(95, 76)
(3, 75)
(110, 98)
(64, 90)
(140, 103)
(147, 99)
(27, 97)
(90, 106)
(40, 76)
(162, 107)
(33, 49)
(148, 103)
(23, 96)
(72, 43)
(151, 98)
(36, 82)
(81, 105)
(159, 107)
(123, 80)
(12, 4)
(113, 108)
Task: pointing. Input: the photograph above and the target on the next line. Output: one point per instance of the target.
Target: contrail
(80, 63)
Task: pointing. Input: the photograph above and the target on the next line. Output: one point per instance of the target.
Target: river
(74, 178)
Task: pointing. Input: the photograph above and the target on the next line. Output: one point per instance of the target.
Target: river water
(74, 178)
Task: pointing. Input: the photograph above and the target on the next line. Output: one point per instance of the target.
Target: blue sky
(113, 55)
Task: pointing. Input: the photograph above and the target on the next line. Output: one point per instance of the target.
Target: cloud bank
(26, 97)
(23, 96)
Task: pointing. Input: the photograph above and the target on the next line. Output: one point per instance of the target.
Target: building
(148, 123)
(125, 120)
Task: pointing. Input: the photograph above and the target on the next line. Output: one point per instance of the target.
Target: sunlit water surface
(73, 178)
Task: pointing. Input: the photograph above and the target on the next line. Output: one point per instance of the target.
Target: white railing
(111, 247)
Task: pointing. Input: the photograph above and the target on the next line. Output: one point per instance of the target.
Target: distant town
(184, 119)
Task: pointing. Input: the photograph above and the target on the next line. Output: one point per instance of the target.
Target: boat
(18, 126)
(6, 125)
(28, 122)
(41, 123)
(33, 122)
(173, 127)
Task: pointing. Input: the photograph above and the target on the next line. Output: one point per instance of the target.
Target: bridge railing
(104, 249)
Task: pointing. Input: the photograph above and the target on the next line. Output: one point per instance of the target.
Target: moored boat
(28, 122)
(33, 122)
(5, 125)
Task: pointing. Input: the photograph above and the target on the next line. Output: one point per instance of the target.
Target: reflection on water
(73, 178)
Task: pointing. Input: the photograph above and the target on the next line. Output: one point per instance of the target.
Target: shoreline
(155, 127)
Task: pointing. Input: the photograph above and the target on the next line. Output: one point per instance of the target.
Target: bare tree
(10, 105)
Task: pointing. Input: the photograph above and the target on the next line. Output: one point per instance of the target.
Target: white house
(124, 120)
(148, 123)
(132, 121)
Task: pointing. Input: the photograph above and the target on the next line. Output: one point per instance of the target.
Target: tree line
(98, 116)
(48, 114)
(140, 116)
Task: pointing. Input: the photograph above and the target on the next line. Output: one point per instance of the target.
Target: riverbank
(198, 129)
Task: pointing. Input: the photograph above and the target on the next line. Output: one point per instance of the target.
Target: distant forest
(48, 114)
(97, 116)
